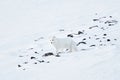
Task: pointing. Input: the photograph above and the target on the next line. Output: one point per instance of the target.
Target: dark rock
(81, 43)
(89, 37)
(19, 66)
(110, 16)
(83, 49)
(104, 34)
(111, 22)
(101, 44)
(108, 40)
(48, 54)
(95, 19)
(41, 61)
(31, 48)
(33, 58)
(25, 62)
(36, 52)
(48, 61)
(61, 30)
(115, 39)
(24, 69)
(35, 62)
(84, 39)
(92, 45)
(21, 56)
(100, 40)
(57, 55)
(80, 32)
(97, 38)
(104, 37)
(95, 35)
(93, 26)
(70, 35)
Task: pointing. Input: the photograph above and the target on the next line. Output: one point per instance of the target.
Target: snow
(26, 27)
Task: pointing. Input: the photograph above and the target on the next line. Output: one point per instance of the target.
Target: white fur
(63, 43)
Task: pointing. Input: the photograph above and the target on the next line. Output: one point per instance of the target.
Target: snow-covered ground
(26, 27)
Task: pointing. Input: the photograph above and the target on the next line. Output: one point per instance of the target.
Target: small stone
(92, 45)
(89, 37)
(25, 62)
(31, 48)
(84, 38)
(110, 16)
(104, 37)
(33, 58)
(48, 61)
(36, 52)
(35, 63)
(95, 19)
(95, 35)
(101, 44)
(57, 55)
(61, 30)
(20, 56)
(104, 34)
(41, 61)
(19, 66)
(24, 69)
(108, 40)
(97, 38)
(100, 41)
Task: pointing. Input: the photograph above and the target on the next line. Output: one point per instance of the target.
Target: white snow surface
(26, 27)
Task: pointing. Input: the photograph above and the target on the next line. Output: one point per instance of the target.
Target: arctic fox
(61, 44)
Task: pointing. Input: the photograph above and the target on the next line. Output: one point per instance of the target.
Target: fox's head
(52, 40)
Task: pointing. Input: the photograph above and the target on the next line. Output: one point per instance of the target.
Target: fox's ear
(51, 37)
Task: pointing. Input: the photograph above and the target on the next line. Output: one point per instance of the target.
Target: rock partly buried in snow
(32, 57)
(93, 27)
(61, 30)
(19, 66)
(108, 40)
(25, 62)
(92, 45)
(95, 19)
(81, 43)
(35, 62)
(36, 52)
(57, 55)
(104, 34)
(40, 61)
(39, 39)
(84, 39)
(111, 22)
(80, 32)
(48, 54)
(70, 35)
(21, 56)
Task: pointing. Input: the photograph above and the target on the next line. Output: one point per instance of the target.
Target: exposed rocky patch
(95, 36)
